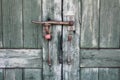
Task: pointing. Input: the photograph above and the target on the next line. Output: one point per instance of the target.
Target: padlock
(48, 36)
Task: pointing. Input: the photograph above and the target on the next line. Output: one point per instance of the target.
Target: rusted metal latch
(48, 24)
(47, 31)
(68, 23)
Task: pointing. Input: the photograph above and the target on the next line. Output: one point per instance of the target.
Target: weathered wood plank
(89, 74)
(52, 10)
(12, 23)
(46, 13)
(13, 74)
(110, 24)
(54, 50)
(1, 44)
(20, 58)
(32, 32)
(33, 74)
(100, 58)
(71, 48)
(90, 23)
(1, 74)
(109, 74)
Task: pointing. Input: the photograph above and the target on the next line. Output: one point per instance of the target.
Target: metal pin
(49, 58)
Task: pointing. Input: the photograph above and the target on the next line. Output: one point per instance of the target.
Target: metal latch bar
(67, 23)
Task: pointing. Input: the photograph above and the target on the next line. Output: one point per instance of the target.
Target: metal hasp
(48, 24)
(47, 35)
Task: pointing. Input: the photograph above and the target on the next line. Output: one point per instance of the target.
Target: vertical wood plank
(12, 23)
(1, 44)
(52, 10)
(54, 49)
(32, 74)
(89, 74)
(90, 23)
(71, 48)
(32, 32)
(110, 24)
(13, 74)
(109, 74)
(45, 9)
(1, 74)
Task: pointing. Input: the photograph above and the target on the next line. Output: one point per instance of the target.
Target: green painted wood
(32, 74)
(13, 74)
(89, 74)
(71, 48)
(52, 9)
(1, 74)
(20, 58)
(110, 24)
(12, 23)
(32, 32)
(109, 74)
(100, 58)
(1, 44)
(90, 23)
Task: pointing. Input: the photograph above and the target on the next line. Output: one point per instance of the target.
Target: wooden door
(20, 40)
(100, 38)
(92, 54)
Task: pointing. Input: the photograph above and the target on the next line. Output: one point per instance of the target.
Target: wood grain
(71, 48)
(100, 58)
(1, 44)
(12, 23)
(32, 74)
(90, 23)
(52, 10)
(56, 67)
(1, 74)
(13, 74)
(20, 58)
(109, 74)
(46, 69)
(89, 74)
(32, 32)
(110, 24)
